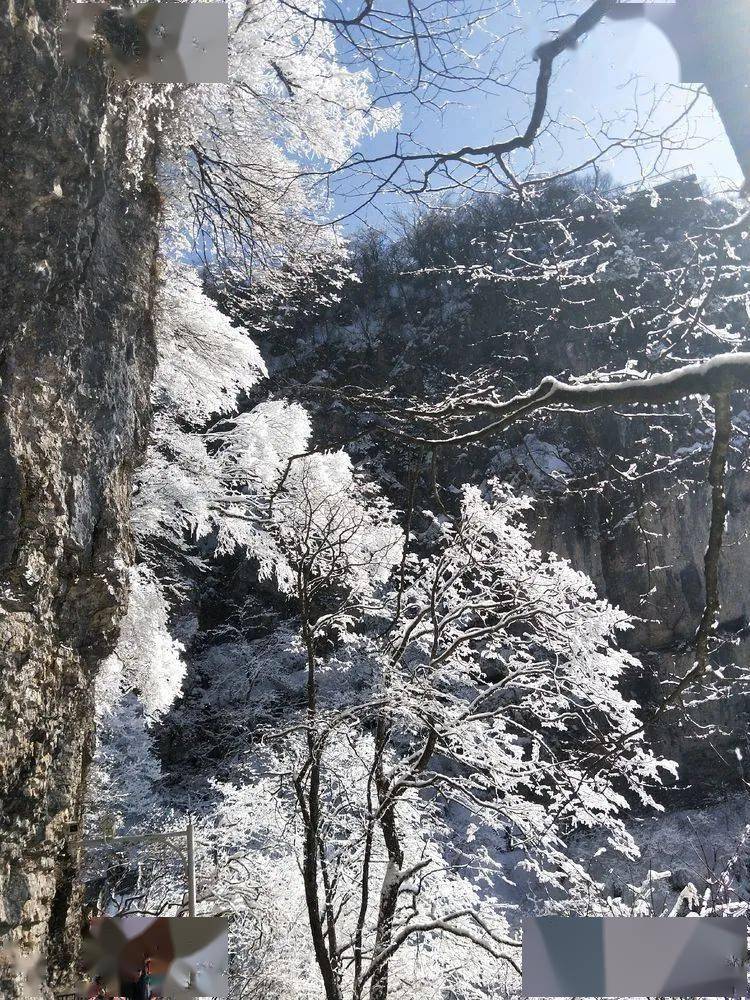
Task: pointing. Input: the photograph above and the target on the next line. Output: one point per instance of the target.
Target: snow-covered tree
(492, 706)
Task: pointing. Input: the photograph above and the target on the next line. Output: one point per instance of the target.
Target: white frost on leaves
(256, 825)
(274, 508)
(261, 441)
(147, 660)
(233, 484)
(173, 497)
(204, 367)
(530, 631)
(325, 509)
(276, 48)
(299, 107)
(204, 361)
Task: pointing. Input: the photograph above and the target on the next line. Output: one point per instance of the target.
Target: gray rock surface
(77, 276)
(647, 558)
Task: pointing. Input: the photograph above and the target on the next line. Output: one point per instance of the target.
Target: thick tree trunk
(77, 275)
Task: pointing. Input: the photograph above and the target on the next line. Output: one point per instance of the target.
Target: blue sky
(596, 81)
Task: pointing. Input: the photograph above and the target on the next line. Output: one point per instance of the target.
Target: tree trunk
(391, 884)
(77, 276)
(309, 802)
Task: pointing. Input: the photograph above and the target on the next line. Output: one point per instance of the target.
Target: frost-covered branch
(719, 375)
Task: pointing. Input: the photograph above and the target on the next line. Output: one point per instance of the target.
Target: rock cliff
(77, 274)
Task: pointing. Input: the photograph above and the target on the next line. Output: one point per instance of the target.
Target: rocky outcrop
(77, 273)
(644, 550)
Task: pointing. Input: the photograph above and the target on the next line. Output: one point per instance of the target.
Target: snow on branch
(204, 362)
(718, 375)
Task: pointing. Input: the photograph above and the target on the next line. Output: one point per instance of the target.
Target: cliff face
(77, 271)
(647, 558)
